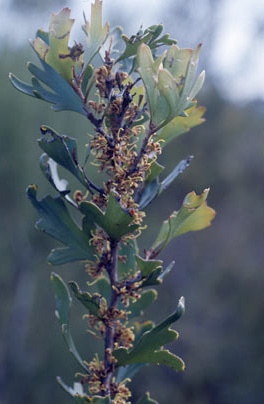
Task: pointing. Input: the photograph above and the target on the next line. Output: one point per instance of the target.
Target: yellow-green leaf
(96, 33)
(180, 124)
(56, 52)
(193, 215)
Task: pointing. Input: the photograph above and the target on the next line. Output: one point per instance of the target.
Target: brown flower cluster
(116, 144)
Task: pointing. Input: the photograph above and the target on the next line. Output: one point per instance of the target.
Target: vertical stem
(110, 328)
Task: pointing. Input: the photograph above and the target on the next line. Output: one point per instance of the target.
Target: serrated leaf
(63, 96)
(90, 302)
(149, 348)
(56, 221)
(193, 215)
(63, 303)
(180, 125)
(146, 400)
(116, 222)
(147, 298)
(95, 32)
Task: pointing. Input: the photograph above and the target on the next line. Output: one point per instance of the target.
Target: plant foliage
(136, 103)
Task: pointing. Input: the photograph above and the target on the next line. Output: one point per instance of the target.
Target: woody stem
(110, 327)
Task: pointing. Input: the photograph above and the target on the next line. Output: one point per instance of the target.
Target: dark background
(218, 270)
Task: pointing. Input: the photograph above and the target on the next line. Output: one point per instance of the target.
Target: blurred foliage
(219, 271)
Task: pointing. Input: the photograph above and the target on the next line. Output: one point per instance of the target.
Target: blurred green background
(219, 270)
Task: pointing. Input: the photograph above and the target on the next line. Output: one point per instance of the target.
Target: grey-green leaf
(56, 221)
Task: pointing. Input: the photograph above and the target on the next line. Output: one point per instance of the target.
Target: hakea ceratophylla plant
(138, 95)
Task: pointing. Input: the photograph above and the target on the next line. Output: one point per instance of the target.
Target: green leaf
(147, 266)
(193, 215)
(128, 249)
(90, 302)
(180, 167)
(149, 349)
(166, 271)
(148, 70)
(50, 170)
(100, 400)
(116, 221)
(146, 400)
(153, 279)
(176, 61)
(56, 221)
(63, 96)
(180, 125)
(128, 372)
(151, 185)
(103, 285)
(95, 32)
(77, 387)
(150, 36)
(155, 188)
(63, 303)
(80, 399)
(63, 298)
(147, 298)
(53, 46)
(88, 73)
(154, 171)
(63, 150)
(149, 193)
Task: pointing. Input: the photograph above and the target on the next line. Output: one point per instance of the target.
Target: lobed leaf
(116, 221)
(90, 302)
(146, 267)
(63, 150)
(95, 32)
(149, 348)
(146, 400)
(193, 215)
(63, 96)
(147, 298)
(149, 36)
(63, 303)
(56, 221)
